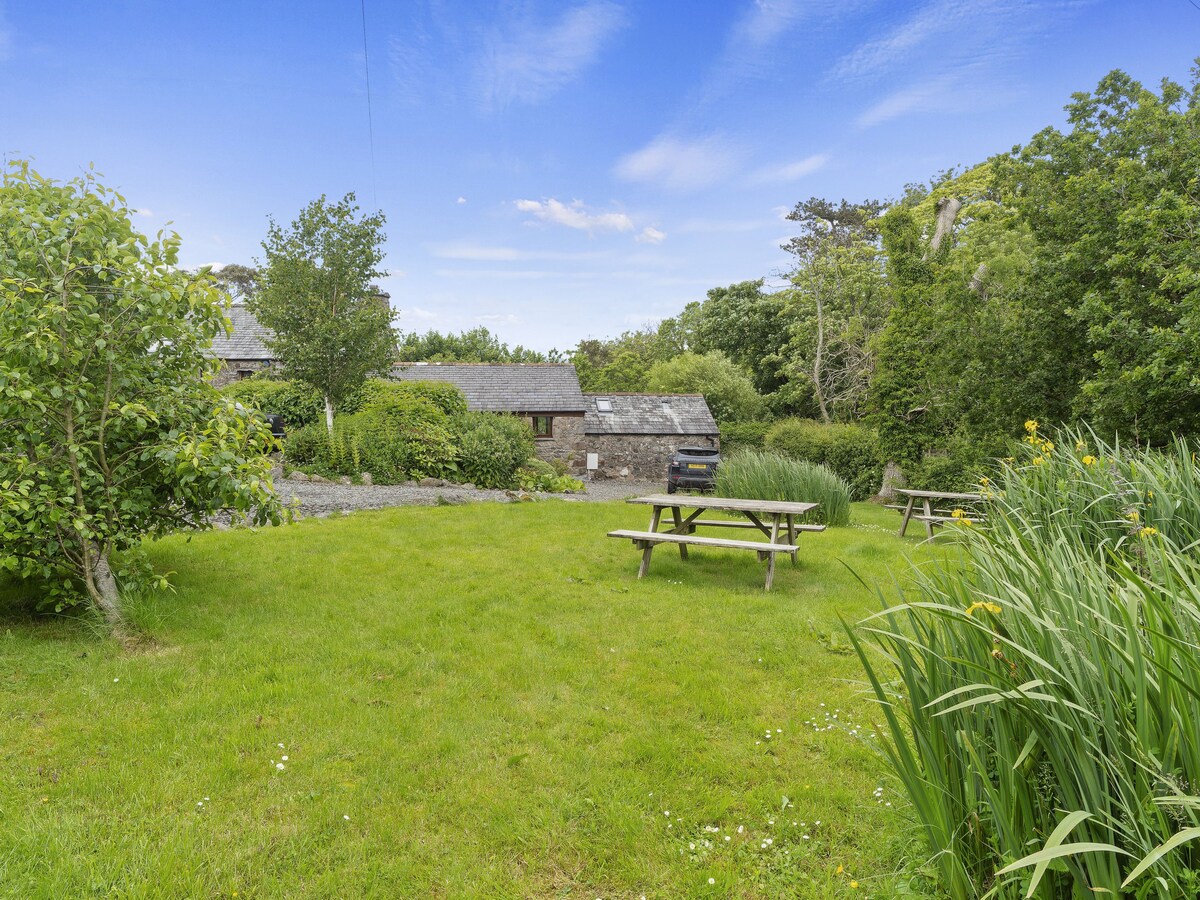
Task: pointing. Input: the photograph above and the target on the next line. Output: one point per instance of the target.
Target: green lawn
(474, 701)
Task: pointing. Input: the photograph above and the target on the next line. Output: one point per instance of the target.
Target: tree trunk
(947, 212)
(102, 589)
(818, 389)
(893, 478)
(329, 414)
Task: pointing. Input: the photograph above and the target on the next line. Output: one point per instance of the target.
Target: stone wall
(565, 444)
(230, 368)
(641, 456)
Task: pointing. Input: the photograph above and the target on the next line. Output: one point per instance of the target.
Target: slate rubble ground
(325, 498)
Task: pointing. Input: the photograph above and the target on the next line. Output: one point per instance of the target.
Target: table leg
(770, 570)
(645, 559)
(928, 518)
(680, 530)
(791, 533)
(907, 515)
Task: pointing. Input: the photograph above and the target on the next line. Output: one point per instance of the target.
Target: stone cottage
(244, 352)
(596, 435)
(634, 435)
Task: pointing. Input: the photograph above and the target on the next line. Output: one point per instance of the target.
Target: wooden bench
(647, 540)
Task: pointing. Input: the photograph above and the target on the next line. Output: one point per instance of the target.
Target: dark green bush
(299, 404)
(743, 435)
(492, 448)
(961, 462)
(445, 397)
(850, 451)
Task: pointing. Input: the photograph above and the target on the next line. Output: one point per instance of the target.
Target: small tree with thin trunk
(332, 327)
(109, 428)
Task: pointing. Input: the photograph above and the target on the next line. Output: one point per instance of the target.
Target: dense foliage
(475, 346)
(849, 451)
(1045, 711)
(111, 431)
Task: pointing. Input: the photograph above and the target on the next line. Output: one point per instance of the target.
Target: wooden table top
(733, 504)
(944, 495)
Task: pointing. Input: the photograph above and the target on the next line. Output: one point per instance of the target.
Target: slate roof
(505, 387)
(649, 414)
(248, 339)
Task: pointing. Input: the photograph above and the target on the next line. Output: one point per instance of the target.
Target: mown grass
(474, 701)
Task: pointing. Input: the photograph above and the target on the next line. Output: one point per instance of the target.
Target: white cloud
(651, 236)
(790, 171)
(532, 61)
(141, 212)
(765, 22)
(948, 94)
(461, 200)
(417, 314)
(680, 165)
(574, 215)
(472, 252)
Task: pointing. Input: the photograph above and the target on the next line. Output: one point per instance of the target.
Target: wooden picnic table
(774, 518)
(931, 514)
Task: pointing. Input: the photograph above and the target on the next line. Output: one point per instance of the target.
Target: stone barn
(244, 352)
(634, 435)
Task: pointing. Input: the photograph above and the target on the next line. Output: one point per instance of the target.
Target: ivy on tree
(332, 327)
(111, 429)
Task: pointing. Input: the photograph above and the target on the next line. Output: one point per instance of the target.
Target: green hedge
(743, 435)
(299, 404)
(850, 451)
(493, 448)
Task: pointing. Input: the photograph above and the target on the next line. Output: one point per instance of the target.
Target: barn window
(543, 426)
(603, 405)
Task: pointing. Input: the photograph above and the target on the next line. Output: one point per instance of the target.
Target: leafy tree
(749, 326)
(236, 280)
(475, 346)
(622, 363)
(726, 386)
(1113, 207)
(111, 431)
(332, 328)
(840, 302)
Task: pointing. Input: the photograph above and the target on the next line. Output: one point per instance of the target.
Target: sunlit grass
(473, 701)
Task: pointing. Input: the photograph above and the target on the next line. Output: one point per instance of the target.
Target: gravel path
(320, 499)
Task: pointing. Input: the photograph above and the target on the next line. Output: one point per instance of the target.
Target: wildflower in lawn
(840, 870)
(1079, 445)
(1089, 460)
(712, 881)
(854, 884)
(957, 514)
(1031, 426)
(983, 480)
(1148, 531)
(1037, 460)
(1133, 515)
(280, 766)
(984, 605)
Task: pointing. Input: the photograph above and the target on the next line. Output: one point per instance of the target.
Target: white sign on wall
(593, 461)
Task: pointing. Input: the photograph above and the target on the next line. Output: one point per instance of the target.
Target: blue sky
(552, 170)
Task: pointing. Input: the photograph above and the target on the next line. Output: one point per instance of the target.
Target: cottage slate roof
(248, 340)
(649, 414)
(505, 387)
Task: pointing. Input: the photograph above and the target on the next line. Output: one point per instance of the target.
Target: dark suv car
(693, 467)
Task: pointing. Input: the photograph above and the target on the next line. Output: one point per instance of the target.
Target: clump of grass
(771, 476)
(1042, 692)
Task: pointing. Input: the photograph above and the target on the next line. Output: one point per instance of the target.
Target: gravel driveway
(320, 499)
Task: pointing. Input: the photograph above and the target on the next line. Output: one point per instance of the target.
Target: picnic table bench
(932, 513)
(781, 532)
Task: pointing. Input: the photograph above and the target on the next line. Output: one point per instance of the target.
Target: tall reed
(1041, 691)
(771, 476)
